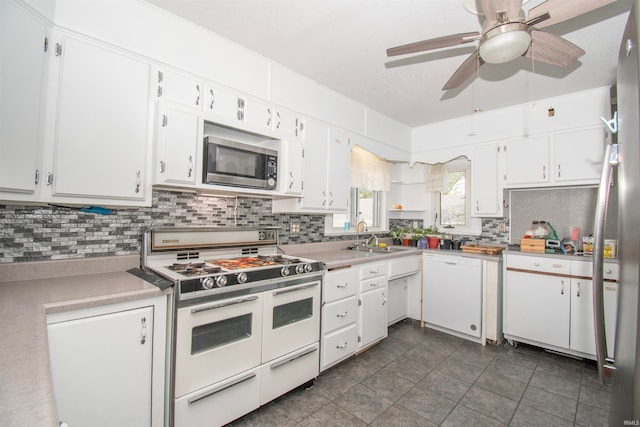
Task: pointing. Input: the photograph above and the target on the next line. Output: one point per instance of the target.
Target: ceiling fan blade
(563, 10)
(552, 49)
(468, 68)
(437, 43)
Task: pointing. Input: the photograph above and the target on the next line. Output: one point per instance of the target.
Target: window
(453, 205)
(364, 205)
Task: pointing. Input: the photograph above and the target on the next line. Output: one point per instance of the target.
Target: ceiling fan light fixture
(505, 46)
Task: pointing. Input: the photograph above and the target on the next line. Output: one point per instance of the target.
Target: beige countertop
(336, 254)
(28, 291)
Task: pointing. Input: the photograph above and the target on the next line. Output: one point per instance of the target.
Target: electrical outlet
(502, 227)
(295, 227)
(415, 224)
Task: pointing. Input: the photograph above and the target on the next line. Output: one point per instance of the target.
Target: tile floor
(421, 377)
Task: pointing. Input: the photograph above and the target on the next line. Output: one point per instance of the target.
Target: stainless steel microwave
(240, 165)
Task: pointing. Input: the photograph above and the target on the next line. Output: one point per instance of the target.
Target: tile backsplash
(38, 233)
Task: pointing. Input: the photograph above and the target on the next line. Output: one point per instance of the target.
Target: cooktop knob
(242, 277)
(308, 268)
(284, 271)
(300, 268)
(221, 281)
(207, 282)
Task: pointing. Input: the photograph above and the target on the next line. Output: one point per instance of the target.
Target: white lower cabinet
(220, 403)
(537, 307)
(398, 296)
(372, 304)
(339, 333)
(107, 364)
(549, 302)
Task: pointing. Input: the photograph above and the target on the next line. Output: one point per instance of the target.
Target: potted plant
(433, 236)
(397, 234)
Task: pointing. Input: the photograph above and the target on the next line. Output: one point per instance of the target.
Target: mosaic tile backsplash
(37, 233)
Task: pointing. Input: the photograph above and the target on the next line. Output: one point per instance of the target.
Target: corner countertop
(336, 254)
(28, 292)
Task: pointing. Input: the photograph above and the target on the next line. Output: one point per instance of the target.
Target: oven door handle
(223, 304)
(299, 288)
(221, 387)
(292, 358)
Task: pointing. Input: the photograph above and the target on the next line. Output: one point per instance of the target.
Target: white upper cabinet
(578, 156)
(257, 114)
(179, 88)
(102, 126)
(290, 177)
(567, 158)
(527, 162)
(486, 183)
(177, 136)
(24, 47)
(222, 104)
(288, 124)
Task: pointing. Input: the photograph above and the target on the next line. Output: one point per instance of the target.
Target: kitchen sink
(377, 249)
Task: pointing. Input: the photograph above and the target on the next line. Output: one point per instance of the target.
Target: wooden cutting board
(480, 249)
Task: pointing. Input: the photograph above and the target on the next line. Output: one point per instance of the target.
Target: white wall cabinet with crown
(486, 180)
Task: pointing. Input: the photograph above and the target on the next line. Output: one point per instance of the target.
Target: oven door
(217, 340)
(291, 319)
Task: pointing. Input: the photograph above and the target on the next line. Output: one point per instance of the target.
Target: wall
(33, 233)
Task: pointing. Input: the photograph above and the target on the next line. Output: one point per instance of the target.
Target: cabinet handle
(269, 117)
(324, 198)
(578, 291)
(342, 345)
(213, 99)
(373, 285)
(291, 180)
(544, 172)
(330, 198)
(278, 122)
(384, 299)
(143, 331)
(342, 314)
(137, 181)
(344, 285)
(562, 287)
(190, 166)
(608, 271)
(197, 94)
(49, 178)
(373, 271)
(536, 264)
(477, 205)
(558, 170)
(162, 166)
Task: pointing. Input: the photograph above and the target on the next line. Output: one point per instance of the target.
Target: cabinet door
(582, 330)
(373, 316)
(178, 131)
(222, 103)
(179, 88)
(102, 123)
(288, 123)
(578, 156)
(527, 161)
(537, 308)
(101, 368)
(22, 42)
(486, 187)
(338, 173)
(258, 114)
(291, 171)
(315, 167)
(398, 298)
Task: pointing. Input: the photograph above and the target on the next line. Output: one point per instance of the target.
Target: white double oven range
(246, 320)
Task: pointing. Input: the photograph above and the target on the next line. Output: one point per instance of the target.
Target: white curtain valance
(369, 171)
(435, 177)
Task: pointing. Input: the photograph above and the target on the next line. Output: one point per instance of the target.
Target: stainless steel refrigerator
(625, 396)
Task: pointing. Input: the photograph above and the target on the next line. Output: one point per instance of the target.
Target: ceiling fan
(506, 34)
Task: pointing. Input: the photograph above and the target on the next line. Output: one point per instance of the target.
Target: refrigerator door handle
(610, 160)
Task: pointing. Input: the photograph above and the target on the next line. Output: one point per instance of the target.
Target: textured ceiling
(342, 44)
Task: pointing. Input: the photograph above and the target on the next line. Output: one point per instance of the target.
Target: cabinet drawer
(339, 314)
(288, 372)
(539, 264)
(338, 345)
(585, 269)
(375, 283)
(373, 270)
(404, 266)
(220, 403)
(340, 284)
